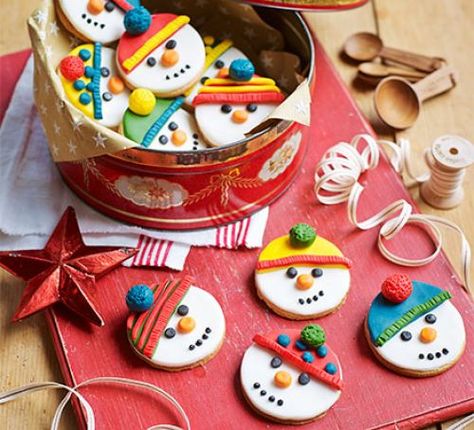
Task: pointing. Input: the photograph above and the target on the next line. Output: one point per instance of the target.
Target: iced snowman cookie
(176, 326)
(302, 275)
(231, 105)
(291, 377)
(414, 329)
(160, 124)
(91, 83)
(219, 56)
(168, 58)
(95, 20)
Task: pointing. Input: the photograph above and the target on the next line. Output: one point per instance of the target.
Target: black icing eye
(163, 139)
(107, 97)
(430, 318)
(172, 126)
(109, 6)
(226, 108)
(291, 272)
(105, 72)
(151, 61)
(204, 79)
(183, 310)
(303, 379)
(251, 107)
(316, 273)
(170, 333)
(276, 362)
(405, 336)
(171, 44)
(219, 64)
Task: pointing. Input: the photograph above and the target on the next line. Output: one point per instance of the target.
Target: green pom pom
(313, 335)
(302, 235)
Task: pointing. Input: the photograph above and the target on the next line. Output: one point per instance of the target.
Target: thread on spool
(337, 181)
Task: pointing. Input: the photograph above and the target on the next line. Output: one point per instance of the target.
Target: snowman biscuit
(302, 275)
(95, 20)
(414, 329)
(219, 56)
(231, 105)
(160, 124)
(167, 58)
(176, 326)
(91, 83)
(291, 376)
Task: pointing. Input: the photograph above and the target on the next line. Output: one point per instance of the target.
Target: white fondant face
(113, 109)
(180, 121)
(326, 293)
(442, 351)
(300, 402)
(105, 27)
(162, 80)
(218, 127)
(223, 61)
(207, 314)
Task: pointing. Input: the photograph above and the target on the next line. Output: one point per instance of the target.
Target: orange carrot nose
(95, 6)
(303, 282)
(282, 379)
(240, 116)
(428, 334)
(186, 325)
(169, 58)
(179, 137)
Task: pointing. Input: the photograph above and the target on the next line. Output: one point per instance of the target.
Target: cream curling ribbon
(16, 393)
(337, 181)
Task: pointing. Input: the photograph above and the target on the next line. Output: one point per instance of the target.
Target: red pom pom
(397, 288)
(71, 68)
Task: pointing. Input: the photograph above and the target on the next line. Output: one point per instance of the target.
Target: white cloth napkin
(33, 197)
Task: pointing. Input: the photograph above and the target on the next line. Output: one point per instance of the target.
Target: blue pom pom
(283, 340)
(307, 356)
(85, 98)
(85, 54)
(330, 368)
(89, 72)
(139, 298)
(241, 70)
(301, 345)
(322, 351)
(137, 21)
(90, 87)
(79, 85)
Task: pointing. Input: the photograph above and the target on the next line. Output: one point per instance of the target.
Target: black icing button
(183, 310)
(208, 330)
(151, 61)
(163, 139)
(109, 6)
(276, 362)
(171, 44)
(107, 97)
(430, 356)
(105, 72)
(256, 385)
(170, 333)
(172, 126)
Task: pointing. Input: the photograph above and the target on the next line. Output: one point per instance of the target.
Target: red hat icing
(145, 328)
(293, 353)
(139, 46)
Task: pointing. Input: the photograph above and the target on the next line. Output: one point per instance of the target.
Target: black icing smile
(90, 21)
(178, 72)
(263, 393)
(310, 299)
(201, 340)
(433, 356)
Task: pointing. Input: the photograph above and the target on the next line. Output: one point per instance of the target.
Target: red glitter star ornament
(64, 271)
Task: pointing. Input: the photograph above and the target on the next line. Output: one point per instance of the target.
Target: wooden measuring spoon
(374, 80)
(398, 102)
(368, 46)
(378, 70)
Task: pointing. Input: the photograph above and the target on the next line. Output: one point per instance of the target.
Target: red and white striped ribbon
(233, 235)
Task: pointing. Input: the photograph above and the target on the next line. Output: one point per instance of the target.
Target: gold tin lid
(308, 5)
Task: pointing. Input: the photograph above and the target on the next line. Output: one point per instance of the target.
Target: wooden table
(432, 27)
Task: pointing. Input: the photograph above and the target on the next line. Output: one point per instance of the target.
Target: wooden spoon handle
(405, 73)
(417, 61)
(436, 83)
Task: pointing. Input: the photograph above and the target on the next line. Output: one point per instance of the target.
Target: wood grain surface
(432, 27)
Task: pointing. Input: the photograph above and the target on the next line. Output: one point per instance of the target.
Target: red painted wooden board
(373, 396)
